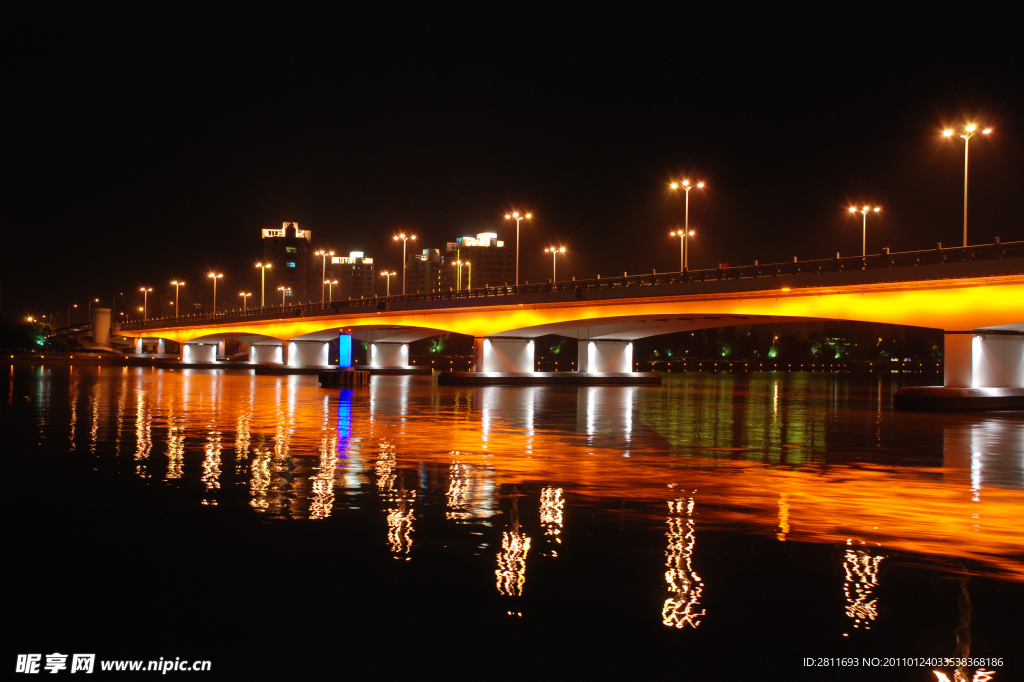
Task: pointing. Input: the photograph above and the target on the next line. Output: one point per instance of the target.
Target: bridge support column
(984, 360)
(101, 326)
(384, 354)
(306, 353)
(500, 354)
(266, 355)
(605, 356)
(138, 346)
(161, 347)
(198, 352)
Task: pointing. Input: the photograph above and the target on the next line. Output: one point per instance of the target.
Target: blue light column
(344, 350)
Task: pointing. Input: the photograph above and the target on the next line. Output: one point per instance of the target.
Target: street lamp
(389, 275)
(684, 235)
(405, 265)
(970, 130)
(145, 302)
(214, 277)
(458, 277)
(685, 184)
(245, 299)
(263, 283)
(514, 215)
(330, 288)
(177, 285)
(554, 251)
(95, 300)
(323, 273)
(284, 292)
(864, 212)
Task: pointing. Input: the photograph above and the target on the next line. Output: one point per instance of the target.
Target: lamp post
(458, 276)
(469, 274)
(323, 272)
(684, 247)
(405, 265)
(245, 298)
(389, 275)
(91, 301)
(554, 251)
(514, 215)
(685, 184)
(970, 130)
(284, 292)
(214, 277)
(864, 212)
(330, 288)
(263, 283)
(177, 286)
(145, 302)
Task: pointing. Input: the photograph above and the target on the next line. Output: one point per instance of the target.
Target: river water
(721, 526)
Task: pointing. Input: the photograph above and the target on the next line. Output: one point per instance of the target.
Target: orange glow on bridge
(961, 304)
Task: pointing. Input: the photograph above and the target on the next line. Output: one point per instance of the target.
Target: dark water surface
(718, 527)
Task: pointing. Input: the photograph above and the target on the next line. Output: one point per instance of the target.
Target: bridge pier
(984, 370)
(141, 341)
(599, 355)
(194, 353)
(266, 354)
(306, 353)
(503, 354)
(984, 360)
(383, 354)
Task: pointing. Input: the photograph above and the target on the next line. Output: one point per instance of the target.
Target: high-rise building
(423, 273)
(490, 262)
(354, 274)
(288, 251)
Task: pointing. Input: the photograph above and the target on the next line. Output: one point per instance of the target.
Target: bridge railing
(881, 261)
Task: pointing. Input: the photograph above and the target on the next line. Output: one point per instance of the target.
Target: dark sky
(148, 141)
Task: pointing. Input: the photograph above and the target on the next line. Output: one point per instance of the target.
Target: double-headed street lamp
(214, 277)
(684, 247)
(389, 275)
(284, 292)
(514, 215)
(405, 266)
(177, 285)
(554, 251)
(263, 283)
(970, 130)
(145, 302)
(864, 212)
(323, 272)
(685, 185)
(245, 299)
(330, 288)
(458, 277)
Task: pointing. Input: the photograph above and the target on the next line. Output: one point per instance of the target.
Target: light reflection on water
(804, 458)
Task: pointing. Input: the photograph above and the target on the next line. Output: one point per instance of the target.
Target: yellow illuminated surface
(959, 305)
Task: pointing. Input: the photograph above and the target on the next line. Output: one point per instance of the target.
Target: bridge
(974, 294)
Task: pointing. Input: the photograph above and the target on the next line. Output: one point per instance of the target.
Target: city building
(490, 262)
(354, 274)
(423, 273)
(289, 252)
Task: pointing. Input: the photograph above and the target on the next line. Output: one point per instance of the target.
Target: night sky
(150, 141)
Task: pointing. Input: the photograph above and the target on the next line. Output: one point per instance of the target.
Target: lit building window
(290, 264)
